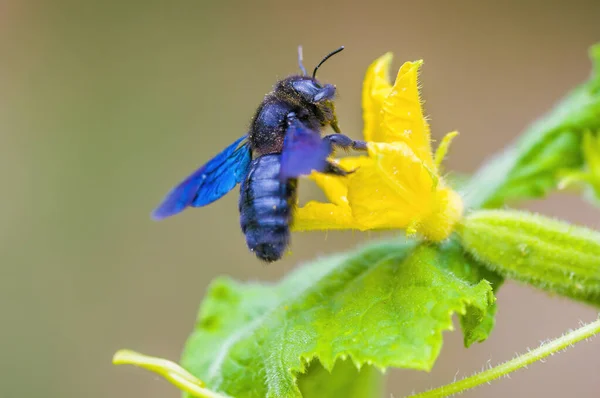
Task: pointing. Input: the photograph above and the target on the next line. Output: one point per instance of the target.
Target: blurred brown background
(105, 105)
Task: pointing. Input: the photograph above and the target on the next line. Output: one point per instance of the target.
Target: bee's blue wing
(209, 182)
(303, 151)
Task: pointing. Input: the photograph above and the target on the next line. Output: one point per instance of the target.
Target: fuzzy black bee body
(266, 206)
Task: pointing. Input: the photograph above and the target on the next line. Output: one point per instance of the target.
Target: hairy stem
(517, 363)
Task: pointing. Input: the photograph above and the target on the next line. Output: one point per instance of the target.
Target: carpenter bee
(283, 142)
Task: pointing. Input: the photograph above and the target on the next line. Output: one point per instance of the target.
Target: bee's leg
(344, 142)
(335, 125)
(334, 169)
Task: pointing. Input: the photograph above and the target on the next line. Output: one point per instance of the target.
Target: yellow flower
(398, 185)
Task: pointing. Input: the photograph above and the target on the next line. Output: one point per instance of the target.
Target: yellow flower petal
(337, 214)
(400, 191)
(374, 191)
(335, 188)
(323, 216)
(403, 119)
(376, 88)
(394, 191)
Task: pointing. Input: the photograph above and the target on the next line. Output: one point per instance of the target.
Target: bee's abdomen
(266, 206)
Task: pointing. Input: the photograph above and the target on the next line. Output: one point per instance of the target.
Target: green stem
(517, 363)
(169, 370)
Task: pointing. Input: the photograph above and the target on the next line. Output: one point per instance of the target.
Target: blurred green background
(105, 105)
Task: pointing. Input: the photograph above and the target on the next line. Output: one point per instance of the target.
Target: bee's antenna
(302, 68)
(331, 54)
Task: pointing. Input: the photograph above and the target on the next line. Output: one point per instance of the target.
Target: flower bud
(554, 256)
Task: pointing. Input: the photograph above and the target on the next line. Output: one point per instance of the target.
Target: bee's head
(307, 90)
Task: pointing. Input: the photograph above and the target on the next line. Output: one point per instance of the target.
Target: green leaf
(552, 255)
(385, 306)
(345, 380)
(476, 326)
(532, 166)
(589, 176)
